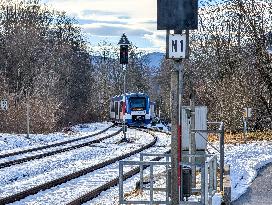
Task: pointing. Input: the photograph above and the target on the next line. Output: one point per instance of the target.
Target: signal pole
(177, 15)
(176, 130)
(175, 157)
(124, 43)
(124, 119)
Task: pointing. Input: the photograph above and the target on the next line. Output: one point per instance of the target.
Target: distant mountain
(154, 59)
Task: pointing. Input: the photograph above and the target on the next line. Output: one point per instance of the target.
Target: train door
(121, 110)
(116, 108)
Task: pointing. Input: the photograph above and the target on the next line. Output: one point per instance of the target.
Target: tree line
(229, 66)
(45, 62)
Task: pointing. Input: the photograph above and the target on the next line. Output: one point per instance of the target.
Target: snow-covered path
(260, 191)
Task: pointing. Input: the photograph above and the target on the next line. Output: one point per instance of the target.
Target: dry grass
(233, 138)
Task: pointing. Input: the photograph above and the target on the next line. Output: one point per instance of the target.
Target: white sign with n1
(177, 46)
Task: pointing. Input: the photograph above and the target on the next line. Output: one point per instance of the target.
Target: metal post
(211, 172)
(180, 91)
(192, 147)
(176, 121)
(245, 128)
(124, 120)
(202, 184)
(27, 113)
(206, 184)
(215, 174)
(167, 181)
(151, 184)
(121, 183)
(141, 172)
(222, 136)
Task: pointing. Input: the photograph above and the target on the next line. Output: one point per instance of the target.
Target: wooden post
(174, 138)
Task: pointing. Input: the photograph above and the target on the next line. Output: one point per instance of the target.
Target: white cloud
(106, 29)
(136, 9)
(110, 18)
(157, 38)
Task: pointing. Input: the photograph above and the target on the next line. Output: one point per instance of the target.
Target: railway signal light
(124, 54)
(124, 43)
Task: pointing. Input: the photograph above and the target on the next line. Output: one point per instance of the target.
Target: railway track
(114, 182)
(55, 148)
(64, 179)
(52, 145)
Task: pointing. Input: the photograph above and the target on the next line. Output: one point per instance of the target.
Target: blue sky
(109, 19)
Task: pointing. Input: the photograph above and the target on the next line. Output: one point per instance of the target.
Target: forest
(48, 64)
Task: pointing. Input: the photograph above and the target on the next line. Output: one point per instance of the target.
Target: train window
(137, 103)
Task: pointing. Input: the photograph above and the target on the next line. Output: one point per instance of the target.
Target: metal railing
(210, 179)
(143, 165)
(208, 171)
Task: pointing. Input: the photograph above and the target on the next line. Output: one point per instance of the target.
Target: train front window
(137, 103)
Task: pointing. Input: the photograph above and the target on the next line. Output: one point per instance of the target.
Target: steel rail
(64, 179)
(114, 182)
(52, 145)
(46, 154)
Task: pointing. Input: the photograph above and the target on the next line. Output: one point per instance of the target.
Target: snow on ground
(160, 126)
(26, 175)
(16, 142)
(64, 193)
(244, 161)
(55, 162)
(60, 147)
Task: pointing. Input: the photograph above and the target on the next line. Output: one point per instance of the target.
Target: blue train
(135, 109)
